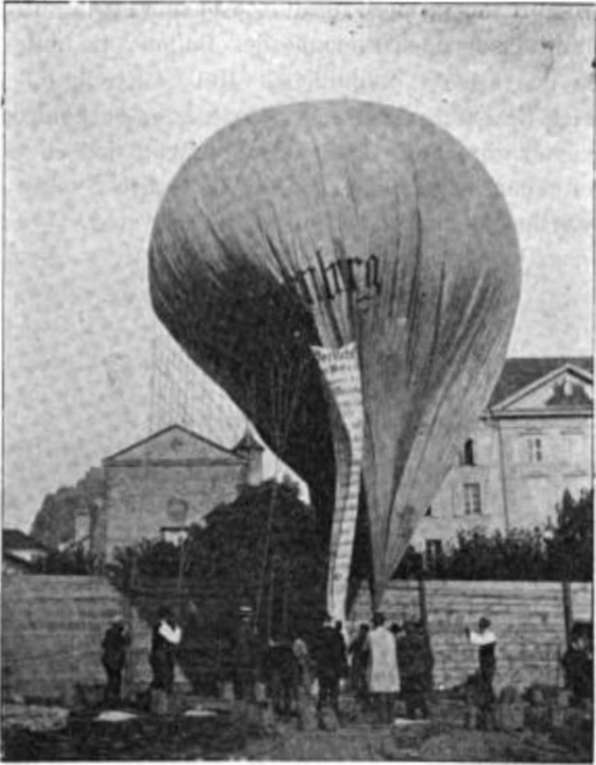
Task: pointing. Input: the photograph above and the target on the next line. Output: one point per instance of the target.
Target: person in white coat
(383, 674)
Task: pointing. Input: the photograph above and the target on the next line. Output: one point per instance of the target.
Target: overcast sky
(103, 103)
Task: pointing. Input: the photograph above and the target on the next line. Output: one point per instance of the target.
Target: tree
(263, 548)
(571, 548)
(54, 522)
(564, 553)
(75, 561)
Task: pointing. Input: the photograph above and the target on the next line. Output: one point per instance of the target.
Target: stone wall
(52, 627)
(528, 618)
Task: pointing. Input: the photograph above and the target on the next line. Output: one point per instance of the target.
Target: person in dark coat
(413, 669)
(282, 674)
(246, 657)
(166, 636)
(339, 628)
(330, 660)
(358, 650)
(578, 668)
(114, 644)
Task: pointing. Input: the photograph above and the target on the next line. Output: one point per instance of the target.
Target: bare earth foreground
(220, 731)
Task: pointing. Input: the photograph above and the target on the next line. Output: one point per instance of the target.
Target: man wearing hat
(114, 644)
(246, 655)
(486, 641)
(165, 638)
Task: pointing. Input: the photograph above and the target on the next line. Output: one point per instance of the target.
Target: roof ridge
(157, 433)
(519, 372)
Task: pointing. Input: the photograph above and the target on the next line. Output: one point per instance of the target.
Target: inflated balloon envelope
(352, 250)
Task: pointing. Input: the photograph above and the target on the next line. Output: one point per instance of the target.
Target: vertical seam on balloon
(326, 308)
(436, 331)
(352, 314)
(412, 310)
(464, 350)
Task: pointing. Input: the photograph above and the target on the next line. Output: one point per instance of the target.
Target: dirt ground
(228, 735)
(375, 744)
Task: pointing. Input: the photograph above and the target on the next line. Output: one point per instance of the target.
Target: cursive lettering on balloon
(344, 275)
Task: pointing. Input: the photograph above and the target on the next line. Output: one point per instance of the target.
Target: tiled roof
(519, 372)
(15, 539)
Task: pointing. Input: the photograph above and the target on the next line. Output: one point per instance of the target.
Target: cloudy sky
(103, 103)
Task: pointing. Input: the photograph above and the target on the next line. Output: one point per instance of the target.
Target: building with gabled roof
(159, 486)
(532, 442)
(20, 551)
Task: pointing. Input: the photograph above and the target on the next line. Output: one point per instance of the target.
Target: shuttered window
(472, 499)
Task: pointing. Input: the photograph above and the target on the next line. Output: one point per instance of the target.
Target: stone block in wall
(581, 600)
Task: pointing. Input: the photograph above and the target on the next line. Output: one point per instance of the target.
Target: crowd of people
(378, 664)
(375, 664)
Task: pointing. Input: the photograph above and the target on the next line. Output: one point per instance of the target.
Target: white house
(532, 442)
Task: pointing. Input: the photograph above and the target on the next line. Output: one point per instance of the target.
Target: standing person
(339, 628)
(114, 644)
(413, 669)
(486, 641)
(578, 668)
(330, 663)
(246, 657)
(359, 652)
(282, 673)
(165, 638)
(300, 651)
(383, 671)
(307, 718)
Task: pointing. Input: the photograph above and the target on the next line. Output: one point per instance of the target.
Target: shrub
(563, 553)
(72, 561)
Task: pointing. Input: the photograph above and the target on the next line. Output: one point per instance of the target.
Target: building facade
(533, 442)
(20, 552)
(159, 486)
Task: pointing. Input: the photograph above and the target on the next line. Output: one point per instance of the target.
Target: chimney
(249, 449)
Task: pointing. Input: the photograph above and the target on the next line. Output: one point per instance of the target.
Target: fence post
(567, 611)
(422, 603)
(130, 667)
(429, 680)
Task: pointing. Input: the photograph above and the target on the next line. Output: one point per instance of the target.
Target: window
(174, 534)
(472, 501)
(429, 512)
(434, 550)
(177, 511)
(534, 449)
(469, 452)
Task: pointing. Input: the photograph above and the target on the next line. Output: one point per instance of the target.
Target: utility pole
(270, 599)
